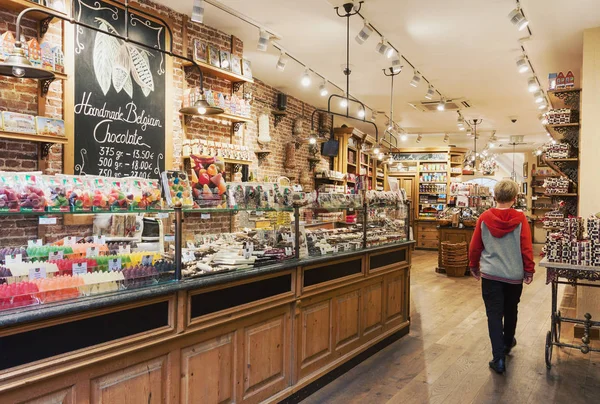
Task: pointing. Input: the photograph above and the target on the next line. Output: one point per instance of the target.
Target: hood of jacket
(500, 222)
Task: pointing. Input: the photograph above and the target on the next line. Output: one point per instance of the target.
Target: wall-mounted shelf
(572, 159)
(236, 120)
(278, 117)
(236, 79)
(565, 98)
(33, 138)
(559, 195)
(227, 160)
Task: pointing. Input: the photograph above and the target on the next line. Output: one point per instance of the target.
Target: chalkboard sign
(119, 94)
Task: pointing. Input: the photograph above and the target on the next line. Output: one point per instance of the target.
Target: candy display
(56, 194)
(558, 116)
(177, 188)
(18, 295)
(325, 241)
(30, 193)
(9, 202)
(208, 184)
(203, 147)
(138, 276)
(12, 251)
(556, 186)
(577, 243)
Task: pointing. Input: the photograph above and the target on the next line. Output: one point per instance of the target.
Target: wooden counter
(251, 337)
(426, 234)
(453, 235)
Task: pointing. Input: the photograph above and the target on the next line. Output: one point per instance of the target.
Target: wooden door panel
(394, 297)
(208, 371)
(265, 354)
(316, 332)
(65, 396)
(144, 383)
(347, 319)
(372, 306)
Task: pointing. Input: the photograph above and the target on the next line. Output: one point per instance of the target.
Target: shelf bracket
(277, 117)
(236, 85)
(45, 86)
(45, 150)
(262, 156)
(44, 25)
(570, 98)
(312, 163)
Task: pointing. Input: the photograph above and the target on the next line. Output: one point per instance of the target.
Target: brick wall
(20, 95)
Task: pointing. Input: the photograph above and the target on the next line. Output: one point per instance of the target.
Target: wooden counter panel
(395, 297)
(316, 327)
(208, 373)
(145, 382)
(373, 307)
(64, 396)
(325, 273)
(347, 317)
(389, 259)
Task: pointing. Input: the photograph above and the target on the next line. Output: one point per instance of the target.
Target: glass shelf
(185, 210)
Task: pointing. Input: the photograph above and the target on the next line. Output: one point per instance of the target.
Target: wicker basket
(455, 258)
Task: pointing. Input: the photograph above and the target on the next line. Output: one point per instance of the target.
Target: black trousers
(501, 301)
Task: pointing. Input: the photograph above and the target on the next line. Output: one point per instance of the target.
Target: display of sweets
(326, 241)
(43, 252)
(557, 151)
(18, 295)
(208, 184)
(151, 194)
(30, 193)
(177, 188)
(117, 196)
(9, 202)
(59, 287)
(65, 266)
(558, 185)
(12, 251)
(101, 282)
(99, 195)
(139, 276)
(56, 193)
(559, 116)
(433, 177)
(385, 197)
(4, 274)
(569, 245)
(79, 191)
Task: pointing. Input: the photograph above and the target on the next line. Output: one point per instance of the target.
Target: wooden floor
(445, 357)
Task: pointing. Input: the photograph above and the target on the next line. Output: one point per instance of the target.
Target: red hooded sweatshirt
(499, 223)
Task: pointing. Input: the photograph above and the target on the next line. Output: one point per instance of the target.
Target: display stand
(573, 275)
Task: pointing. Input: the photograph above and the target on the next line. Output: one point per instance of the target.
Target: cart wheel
(557, 324)
(549, 350)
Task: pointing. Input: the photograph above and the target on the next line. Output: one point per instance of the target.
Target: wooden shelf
(351, 164)
(569, 159)
(547, 176)
(226, 160)
(235, 118)
(564, 90)
(220, 73)
(33, 138)
(558, 195)
(439, 171)
(562, 125)
(329, 179)
(20, 5)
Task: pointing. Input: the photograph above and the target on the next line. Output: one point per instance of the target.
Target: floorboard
(444, 359)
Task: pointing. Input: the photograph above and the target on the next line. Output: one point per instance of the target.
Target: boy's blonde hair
(506, 191)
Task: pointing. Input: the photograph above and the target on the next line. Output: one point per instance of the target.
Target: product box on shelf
(49, 126)
(18, 123)
(558, 116)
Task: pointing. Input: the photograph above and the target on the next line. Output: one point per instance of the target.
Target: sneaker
(498, 365)
(507, 349)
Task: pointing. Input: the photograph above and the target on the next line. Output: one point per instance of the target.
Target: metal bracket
(44, 25)
(312, 163)
(570, 98)
(45, 150)
(187, 120)
(236, 85)
(45, 86)
(262, 155)
(278, 117)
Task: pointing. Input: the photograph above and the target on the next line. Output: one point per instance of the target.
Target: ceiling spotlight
(522, 64)
(548, 134)
(305, 78)
(382, 48)
(282, 61)
(364, 33)
(198, 11)
(469, 132)
(460, 122)
(543, 105)
(416, 79)
(376, 150)
(323, 89)
(403, 137)
(518, 19)
(361, 113)
(430, 93)
(312, 139)
(442, 104)
(532, 85)
(446, 138)
(538, 152)
(396, 66)
(390, 51)
(543, 119)
(374, 115)
(263, 41)
(491, 144)
(419, 138)
(539, 97)
(344, 101)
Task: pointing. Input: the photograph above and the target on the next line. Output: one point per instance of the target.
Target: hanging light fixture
(522, 64)
(517, 18)
(430, 93)
(364, 33)
(323, 89)
(201, 107)
(460, 122)
(376, 150)
(18, 65)
(469, 132)
(446, 138)
(263, 41)
(305, 78)
(419, 138)
(532, 85)
(312, 139)
(493, 140)
(396, 66)
(473, 155)
(382, 48)
(361, 113)
(344, 101)
(539, 97)
(543, 105)
(282, 61)
(198, 11)
(442, 104)
(416, 79)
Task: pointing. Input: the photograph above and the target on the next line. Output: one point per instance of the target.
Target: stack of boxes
(570, 247)
(556, 185)
(557, 151)
(559, 116)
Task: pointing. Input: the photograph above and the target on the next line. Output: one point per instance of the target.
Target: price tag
(147, 260)
(37, 273)
(13, 259)
(205, 216)
(251, 247)
(99, 239)
(346, 246)
(188, 256)
(70, 240)
(288, 251)
(335, 248)
(247, 254)
(79, 268)
(91, 252)
(162, 215)
(56, 255)
(34, 243)
(323, 252)
(190, 244)
(124, 249)
(169, 238)
(47, 220)
(114, 264)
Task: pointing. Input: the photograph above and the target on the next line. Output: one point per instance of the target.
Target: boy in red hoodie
(501, 255)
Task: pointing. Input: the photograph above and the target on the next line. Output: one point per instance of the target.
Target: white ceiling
(467, 49)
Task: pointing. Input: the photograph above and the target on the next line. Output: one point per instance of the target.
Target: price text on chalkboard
(119, 94)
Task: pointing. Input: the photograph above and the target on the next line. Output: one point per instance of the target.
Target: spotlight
(382, 48)
(374, 115)
(518, 19)
(419, 138)
(305, 78)
(553, 141)
(323, 89)
(538, 152)
(376, 150)
(469, 132)
(539, 97)
(460, 122)
(312, 139)
(491, 144)
(263, 41)
(380, 156)
(344, 101)
(446, 138)
(548, 134)
(442, 105)
(396, 66)
(532, 85)
(543, 105)
(416, 79)
(522, 64)
(198, 11)
(390, 51)
(364, 34)
(430, 93)
(361, 113)
(543, 119)
(403, 137)
(283, 59)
